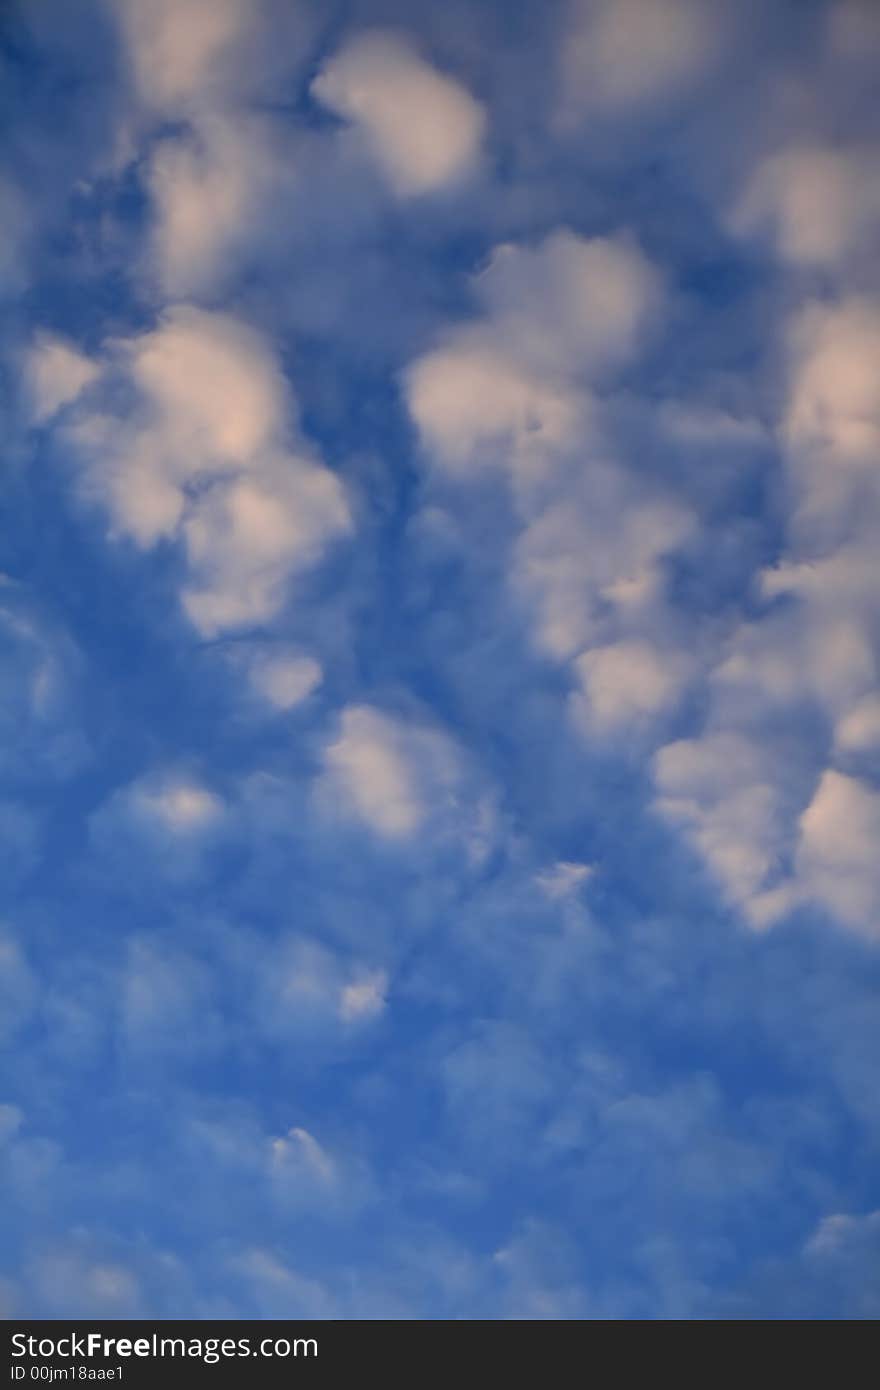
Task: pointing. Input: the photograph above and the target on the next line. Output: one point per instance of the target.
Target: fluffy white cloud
(389, 774)
(421, 126)
(833, 414)
(571, 304)
(859, 729)
(209, 187)
(182, 52)
(818, 203)
(514, 390)
(726, 793)
(178, 805)
(284, 678)
(165, 824)
(837, 855)
(303, 989)
(204, 455)
(364, 997)
(474, 404)
(779, 825)
(625, 683)
(300, 1153)
(617, 53)
(56, 373)
(590, 566)
(508, 388)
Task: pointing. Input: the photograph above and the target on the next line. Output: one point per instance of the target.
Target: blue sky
(439, 716)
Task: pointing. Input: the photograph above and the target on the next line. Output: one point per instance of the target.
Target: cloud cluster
(422, 127)
(202, 454)
(495, 397)
(516, 390)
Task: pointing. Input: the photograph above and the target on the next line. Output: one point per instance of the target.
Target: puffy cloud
(67, 1278)
(818, 203)
(571, 304)
(837, 853)
(618, 53)
(514, 389)
(182, 52)
(56, 373)
(364, 998)
(209, 188)
(473, 404)
(727, 793)
(284, 678)
(563, 879)
(591, 564)
(859, 730)
(832, 421)
(305, 989)
(765, 808)
(164, 824)
(204, 457)
(41, 734)
(832, 1275)
(626, 682)
(421, 126)
(301, 1152)
(508, 387)
(389, 774)
(164, 1001)
(180, 807)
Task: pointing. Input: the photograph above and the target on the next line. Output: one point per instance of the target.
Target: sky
(439, 706)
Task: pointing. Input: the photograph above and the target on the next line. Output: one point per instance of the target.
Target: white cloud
(508, 388)
(590, 565)
(284, 678)
(422, 127)
(70, 1280)
(726, 792)
(571, 304)
(248, 536)
(40, 727)
(364, 998)
(859, 729)
(563, 879)
(182, 52)
(204, 456)
(303, 989)
(300, 1152)
(618, 53)
(388, 774)
(209, 188)
(56, 373)
(833, 412)
(473, 405)
(625, 683)
(818, 203)
(214, 388)
(751, 793)
(514, 390)
(837, 855)
(164, 824)
(179, 806)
